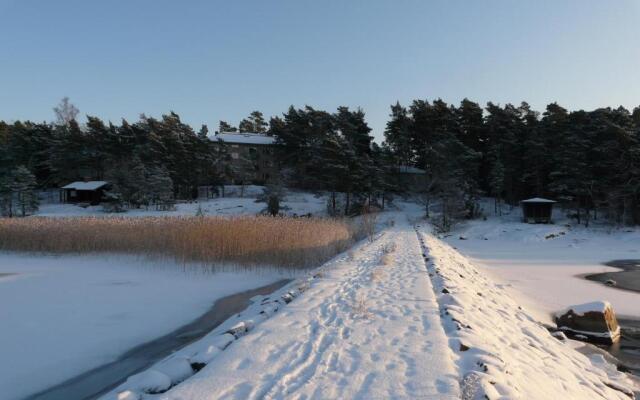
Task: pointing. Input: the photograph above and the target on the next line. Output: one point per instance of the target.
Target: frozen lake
(64, 315)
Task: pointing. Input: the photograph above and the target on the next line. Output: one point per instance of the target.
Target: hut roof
(89, 185)
(537, 200)
(245, 138)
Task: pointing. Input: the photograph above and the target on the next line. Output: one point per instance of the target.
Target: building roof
(537, 200)
(245, 138)
(82, 185)
(407, 169)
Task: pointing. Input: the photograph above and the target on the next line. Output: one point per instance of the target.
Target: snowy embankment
(366, 327)
(502, 351)
(546, 264)
(380, 322)
(63, 315)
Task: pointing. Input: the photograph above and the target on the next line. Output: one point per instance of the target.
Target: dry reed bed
(249, 241)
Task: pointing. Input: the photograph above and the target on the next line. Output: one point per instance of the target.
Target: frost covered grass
(243, 240)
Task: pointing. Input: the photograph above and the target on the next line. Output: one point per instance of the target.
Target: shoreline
(98, 381)
(627, 278)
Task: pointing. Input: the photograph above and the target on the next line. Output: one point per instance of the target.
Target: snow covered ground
(543, 263)
(298, 203)
(390, 319)
(63, 315)
(502, 351)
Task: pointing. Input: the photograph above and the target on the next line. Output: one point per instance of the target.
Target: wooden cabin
(537, 210)
(90, 192)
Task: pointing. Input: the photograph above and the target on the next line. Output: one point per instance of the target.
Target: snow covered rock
(149, 381)
(596, 321)
(204, 357)
(222, 341)
(176, 368)
(128, 395)
(241, 328)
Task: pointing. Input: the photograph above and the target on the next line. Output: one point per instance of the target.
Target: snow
(503, 351)
(581, 309)
(298, 203)
(404, 317)
(364, 327)
(63, 315)
(150, 381)
(537, 200)
(245, 138)
(89, 185)
(544, 264)
(346, 333)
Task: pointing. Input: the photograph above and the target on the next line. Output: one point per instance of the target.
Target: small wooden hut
(537, 210)
(90, 192)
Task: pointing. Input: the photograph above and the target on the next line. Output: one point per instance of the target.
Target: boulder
(594, 321)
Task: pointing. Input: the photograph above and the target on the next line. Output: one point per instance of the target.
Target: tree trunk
(347, 204)
(333, 202)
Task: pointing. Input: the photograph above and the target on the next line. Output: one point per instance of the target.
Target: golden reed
(246, 240)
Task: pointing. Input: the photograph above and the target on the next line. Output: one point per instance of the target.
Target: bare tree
(65, 111)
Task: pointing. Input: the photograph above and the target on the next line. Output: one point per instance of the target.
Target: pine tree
(22, 185)
(203, 133)
(255, 123)
(159, 187)
(6, 194)
(397, 135)
(226, 127)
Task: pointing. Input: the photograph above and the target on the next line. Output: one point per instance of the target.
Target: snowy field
(546, 270)
(298, 203)
(63, 315)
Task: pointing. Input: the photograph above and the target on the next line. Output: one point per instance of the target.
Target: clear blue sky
(212, 60)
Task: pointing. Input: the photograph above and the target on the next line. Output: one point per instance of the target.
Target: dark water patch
(98, 381)
(627, 350)
(627, 279)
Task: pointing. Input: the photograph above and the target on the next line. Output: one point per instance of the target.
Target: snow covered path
(368, 328)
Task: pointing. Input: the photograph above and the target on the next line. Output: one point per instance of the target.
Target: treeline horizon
(589, 160)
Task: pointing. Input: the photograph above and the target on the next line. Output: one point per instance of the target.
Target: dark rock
(197, 366)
